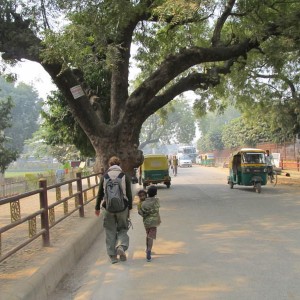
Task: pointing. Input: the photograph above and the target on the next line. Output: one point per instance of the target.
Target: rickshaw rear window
(156, 163)
(253, 158)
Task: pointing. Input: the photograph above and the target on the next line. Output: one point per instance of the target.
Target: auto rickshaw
(154, 170)
(248, 167)
(209, 160)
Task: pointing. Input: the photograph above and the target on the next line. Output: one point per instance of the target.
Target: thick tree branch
(283, 78)
(176, 64)
(149, 139)
(216, 39)
(120, 73)
(81, 108)
(17, 41)
(192, 82)
(147, 142)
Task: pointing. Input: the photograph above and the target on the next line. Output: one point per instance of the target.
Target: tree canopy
(211, 127)
(240, 51)
(7, 153)
(240, 133)
(173, 124)
(19, 113)
(231, 129)
(24, 113)
(60, 128)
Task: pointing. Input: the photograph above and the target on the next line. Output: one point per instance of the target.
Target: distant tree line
(20, 108)
(231, 129)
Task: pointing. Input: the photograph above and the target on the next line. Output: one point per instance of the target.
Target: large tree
(211, 128)
(240, 132)
(173, 124)
(24, 113)
(7, 153)
(59, 128)
(183, 45)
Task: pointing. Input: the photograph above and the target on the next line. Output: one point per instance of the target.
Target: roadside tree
(7, 153)
(25, 112)
(240, 133)
(182, 45)
(173, 124)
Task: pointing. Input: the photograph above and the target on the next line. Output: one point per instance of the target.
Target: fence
(290, 164)
(45, 211)
(20, 185)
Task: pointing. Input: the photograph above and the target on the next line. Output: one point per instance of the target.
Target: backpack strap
(106, 176)
(120, 175)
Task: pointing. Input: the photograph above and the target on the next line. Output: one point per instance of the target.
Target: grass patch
(13, 174)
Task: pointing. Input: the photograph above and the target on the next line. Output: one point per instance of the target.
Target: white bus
(189, 151)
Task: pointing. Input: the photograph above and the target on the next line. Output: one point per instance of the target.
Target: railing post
(298, 164)
(79, 190)
(44, 215)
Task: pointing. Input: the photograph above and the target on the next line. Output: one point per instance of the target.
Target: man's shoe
(148, 255)
(121, 253)
(113, 259)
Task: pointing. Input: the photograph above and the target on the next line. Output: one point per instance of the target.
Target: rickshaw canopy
(155, 162)
(249, 156)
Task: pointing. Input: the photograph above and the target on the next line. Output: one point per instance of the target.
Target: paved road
(213, 243)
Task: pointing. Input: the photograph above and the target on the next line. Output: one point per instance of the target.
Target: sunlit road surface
(213, 243)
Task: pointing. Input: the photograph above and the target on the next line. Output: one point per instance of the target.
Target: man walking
(270, 163)
(115, 223)
(175, 164)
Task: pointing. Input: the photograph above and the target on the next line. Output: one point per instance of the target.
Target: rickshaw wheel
(258, 187)
(168, 185)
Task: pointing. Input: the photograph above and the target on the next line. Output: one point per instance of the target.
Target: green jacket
(149, 210)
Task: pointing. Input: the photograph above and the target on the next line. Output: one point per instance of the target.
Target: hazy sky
(33, 74)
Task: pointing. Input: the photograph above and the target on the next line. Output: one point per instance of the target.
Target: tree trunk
(1, 178)
(124, 144)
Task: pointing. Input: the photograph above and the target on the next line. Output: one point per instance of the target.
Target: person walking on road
(148, 208)
(270, 163)
(116, 224)
(175, 165)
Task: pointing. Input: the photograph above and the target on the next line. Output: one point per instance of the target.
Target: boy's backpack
(114, 197)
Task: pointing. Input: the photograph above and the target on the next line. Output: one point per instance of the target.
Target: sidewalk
(34, 272)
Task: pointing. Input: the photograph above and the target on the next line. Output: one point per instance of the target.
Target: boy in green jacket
(148, 208)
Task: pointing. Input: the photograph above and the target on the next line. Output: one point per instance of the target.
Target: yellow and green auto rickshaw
(248, 167)
(154, 170)
(209, 159)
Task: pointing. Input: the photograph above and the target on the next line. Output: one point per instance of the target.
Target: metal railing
(84, 194)
(19, 185)
(290, 164)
